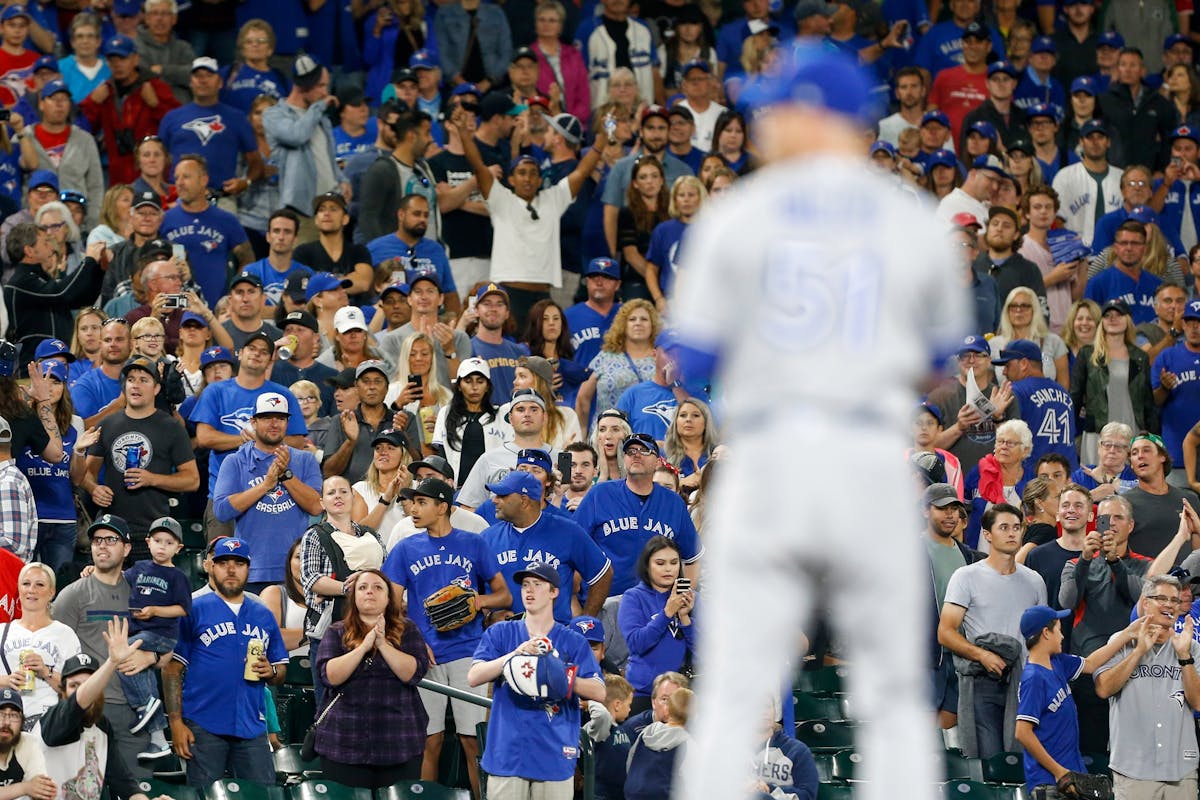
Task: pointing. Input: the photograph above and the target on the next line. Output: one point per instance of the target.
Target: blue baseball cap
(1092, 126)
(54, 87)
(1185, 132)
(1143, 214)
(1034, 620)
(1005, 66)
(931, 410)
(12, 12)
(1192, 310)
(1110, 39)
(984, 128)
(231, 547)
(192, 316)
(121, 46)
(811, 74)
(991, 164)
(426, 274)
(490, 288)
(589, 628)
(217, 355)
(644, 439)
(696, 63)
(127, 8)
(422, 59)
(935, 116)
(973, 344)
(324, 282)
(535, 457)
(880, 146)
(46, 62)
(603, 266)
(1043, 44)
(517, 482)
(53, 348)
(55, 369)
(537, 569)
(1174, 39)
(521, 159)
(402, 288)
(942, 158)
(1085, 84)
(1017, 349)
(42, 177)
(1041, 110)
(465, 88)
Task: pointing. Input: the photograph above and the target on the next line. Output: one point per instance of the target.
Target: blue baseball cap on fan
(602, 266)
(1018, 349)
(536, 458)
(517, 482)
(1034, 620)
(810, 74)
(53, 348)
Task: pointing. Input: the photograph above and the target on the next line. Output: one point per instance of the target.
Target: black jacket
(1144, 126)
(39, 307)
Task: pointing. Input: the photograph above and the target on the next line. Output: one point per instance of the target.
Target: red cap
(964, 219)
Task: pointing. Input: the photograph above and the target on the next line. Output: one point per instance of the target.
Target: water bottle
(133, 460)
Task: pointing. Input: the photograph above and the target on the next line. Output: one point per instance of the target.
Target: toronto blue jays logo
(663, 409)
(212, 352)
(462, 582)
(232, 544)
(238, 420)
(277, 493)
(1179, 698)
(210, 245)
(205, 127)
(274, 401)
(584, 626)
(132, 442)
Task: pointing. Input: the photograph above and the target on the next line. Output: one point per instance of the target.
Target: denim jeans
(56, 544)
(143, 686)
(212, 756)
(990, 698)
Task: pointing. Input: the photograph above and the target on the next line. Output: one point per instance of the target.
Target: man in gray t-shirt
(989, 596)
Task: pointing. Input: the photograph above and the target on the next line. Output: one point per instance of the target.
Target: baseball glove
(450, 608)
(1085, 787)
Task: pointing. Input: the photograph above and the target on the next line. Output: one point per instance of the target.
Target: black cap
(147, 199)
(351, 96)
(1117, 305)
(156, 248)
(109, 522)
(296, 285)
(391, 436)
(404, 75)
(976, 30)
(436, 463)
(437, 489)
(80, 662)
(523, 52)
(682, 111)
(343, 380)
(328, 197)
(147, 365)
(259, 336)
(12, 699)
(246, 277)
(302, 318)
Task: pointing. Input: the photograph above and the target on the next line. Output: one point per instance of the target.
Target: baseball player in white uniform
(845, 295)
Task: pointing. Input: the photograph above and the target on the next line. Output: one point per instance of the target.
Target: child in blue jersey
(159, 594)
(1047, 723)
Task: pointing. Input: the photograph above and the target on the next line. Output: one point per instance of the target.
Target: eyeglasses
(154, 337)
(257, 40)
(52, 226)
(308, 399)
(9, 713)
(108, 541)
(1009, 442)
(968, 245)
(1137, 184)
(1114, 445)
(634, 450)
(1163, 599)
(1021, 306)
(1129, 243)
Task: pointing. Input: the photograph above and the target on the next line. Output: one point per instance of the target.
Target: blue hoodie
(657, 643)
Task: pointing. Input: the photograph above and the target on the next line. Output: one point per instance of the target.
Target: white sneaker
(155, 752)
(145, 715)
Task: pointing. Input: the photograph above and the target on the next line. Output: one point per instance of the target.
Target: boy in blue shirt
(1047, 723)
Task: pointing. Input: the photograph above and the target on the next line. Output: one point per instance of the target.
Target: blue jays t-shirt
(588, 327)
(425, 256)
(93, 391)
(1179, 412)
(422, 564)
(273, 281)
(650, 408)
(346, 146)
(502, 361)
(153, 584)
(209, 238)
(1045, 701)
(249, 83)
(1047, 409)
(51, 483)
(1113, 284)
(220, 133)
(664, 251)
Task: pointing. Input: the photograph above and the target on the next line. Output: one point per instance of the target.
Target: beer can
(254, 649)
(30, 684)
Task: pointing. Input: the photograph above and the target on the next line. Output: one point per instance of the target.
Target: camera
(5, 115)
(173, 301)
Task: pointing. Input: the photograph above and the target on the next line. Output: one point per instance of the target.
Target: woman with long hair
(470, 424)
(375, 495)
(687, 195)
(1111, 381)
(698, 505)
(286, 601)
(625, 358)
(40, 435)
(373, 731)
(36, 642)
(548, 335)
(1022, 318)
(154, 171)
(690, 441)
(252, 75)
(612, 428)
(562, 73)
(731, 142)
(1022, 166)
(562, 424)
(115, 220)
(1181, 86)
(419, 401)
(391, 34)
(1083, 320)
(647, 204)
(85, 342)
(1039, 502)
(942, 174)
(691, 41)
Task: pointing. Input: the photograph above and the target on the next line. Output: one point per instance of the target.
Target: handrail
(457, 694)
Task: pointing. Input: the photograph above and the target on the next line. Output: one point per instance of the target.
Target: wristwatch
(286, 475)
(1183, 662)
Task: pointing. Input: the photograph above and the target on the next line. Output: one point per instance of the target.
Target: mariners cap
(342, 380)
(1092, 126)
(349, 318)
(935, 116)
(109, 522)
(436, 463)
(535, 457)
(603, 266)
(231, 547)
(53, 348)
(120, 46)
(527, 396)
(271, 403)
(1043, 44)
(517, 482)
(302, 318)
(1018, 349)
(644, 439)
(567, 126)
(495, 104)
(436, 488)
(1115, 304)
(217, 355)
(246, 277)
(55, 369)
(167, 524)
(306, 72)
(43, 177)
(146, 365)
(80, 662)
(12, 699)
(324, 282)
(370, 365)
(490, 288)
(940, 495)
(1005, 67)
(472, 366)
(147, 198)
(1035, 620)
(206, 63)
(537, 569)
(589, 628)
(391, 436)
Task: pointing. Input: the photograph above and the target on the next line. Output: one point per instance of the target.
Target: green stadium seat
(289, 763)
(845, 762)
(960, 767)
(319, 789)
(1097, 763)
(235, 789)
(975, 790)
(824, 766)
(1008, 768)
(194, 537)
(826, 735)
(154, 788)
(299, 671)
(835, 791)
(814, 705)
(825, 679)
(421, 790)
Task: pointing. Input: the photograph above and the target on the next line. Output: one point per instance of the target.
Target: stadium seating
(825, 735)
(1004, 768)
(320, 789)
(234, 789)
(976, 790)
(418, 790)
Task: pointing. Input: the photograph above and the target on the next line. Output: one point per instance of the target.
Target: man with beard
(22, 763)
(418, 254)
(1000, 259)
(77, 734)
(350, 445)
(424, 298)
(216, 714)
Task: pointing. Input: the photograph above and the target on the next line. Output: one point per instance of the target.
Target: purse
(308, 750)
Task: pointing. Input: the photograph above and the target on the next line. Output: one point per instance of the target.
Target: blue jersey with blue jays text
(1113, 284)
(1179, 413)
(941, 47)
(1049, 412)
(555, 540)
(240, 90)
(650, 408)
(621, 523)
(346, 146)
(212, 645)
(228, 407)
(209, 238)
(220, 133)
(422, 564)
(51, 483)
(1045, 701)
(271, 525)
(534, 743)
(588, 327)
(1180, 195)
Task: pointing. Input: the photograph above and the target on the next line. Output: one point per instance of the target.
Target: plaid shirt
(315, 563)
(18, 512)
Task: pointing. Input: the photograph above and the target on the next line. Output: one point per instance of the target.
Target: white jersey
(958, 202)
(840, 296)
(1077, 197)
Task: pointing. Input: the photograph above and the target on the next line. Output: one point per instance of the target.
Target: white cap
(471, 365)
(271, 403)
(349, 318)
(5, 431)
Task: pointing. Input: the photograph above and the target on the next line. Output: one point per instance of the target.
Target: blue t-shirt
(1113, 284)
(650, 408)
(153, 584)
(502, 361)
(273, 281)
(249, 83)
(346, 146)
(51, 483)
(553, 539)
(209, 238)
(534, 742)
(664, 251)
(1045, 701)
(422, 564)
(426, 256)
(11, 180)
(76, 370)
(1179, 412)
(220, 133)
(212, 645)
(941, 47)
(1047, 409)
(93, 391)
(621, 522)
(227, 407)
(287, 18)
(588, 327)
